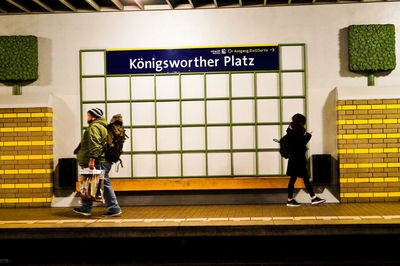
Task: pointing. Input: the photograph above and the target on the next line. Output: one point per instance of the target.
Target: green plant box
(372, 48)
(18, 59)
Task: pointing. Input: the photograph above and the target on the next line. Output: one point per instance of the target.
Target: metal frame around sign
(205, 99)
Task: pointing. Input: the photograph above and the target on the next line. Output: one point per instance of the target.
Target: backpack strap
(119, 164)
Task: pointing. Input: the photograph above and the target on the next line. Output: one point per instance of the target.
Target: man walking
(91, 153)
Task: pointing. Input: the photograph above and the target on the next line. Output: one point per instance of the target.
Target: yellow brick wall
(26, 157)
(368, 134)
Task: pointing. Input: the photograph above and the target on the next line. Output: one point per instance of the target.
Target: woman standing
(297, 167)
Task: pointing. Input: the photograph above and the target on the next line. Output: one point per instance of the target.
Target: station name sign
(196, 59)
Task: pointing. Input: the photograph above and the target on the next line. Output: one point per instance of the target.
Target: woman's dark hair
(298, 123)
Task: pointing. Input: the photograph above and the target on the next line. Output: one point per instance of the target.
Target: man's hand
(91, 163)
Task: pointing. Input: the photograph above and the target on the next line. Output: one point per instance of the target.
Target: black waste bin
(323, 168)
(67, 172)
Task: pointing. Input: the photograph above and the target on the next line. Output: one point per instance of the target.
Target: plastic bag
(91, 183)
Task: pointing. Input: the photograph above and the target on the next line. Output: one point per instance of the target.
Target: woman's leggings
(306, 183)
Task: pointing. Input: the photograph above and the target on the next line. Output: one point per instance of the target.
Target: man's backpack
(284, 148)
(115, 139)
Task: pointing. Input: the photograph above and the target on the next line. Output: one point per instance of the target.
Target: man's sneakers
(80, 211)
(293, 203)
(108, 214)
(317, 201)
(112, 214)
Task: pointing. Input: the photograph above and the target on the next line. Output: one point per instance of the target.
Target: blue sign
(202, 59)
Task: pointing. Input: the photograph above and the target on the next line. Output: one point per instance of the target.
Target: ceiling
(10, 7)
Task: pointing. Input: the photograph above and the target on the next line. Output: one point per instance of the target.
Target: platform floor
(328, 234)
(211, 215)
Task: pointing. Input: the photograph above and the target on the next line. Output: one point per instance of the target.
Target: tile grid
(368, 133)
(26, 157)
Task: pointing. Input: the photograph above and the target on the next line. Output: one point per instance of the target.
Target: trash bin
(323, 168)
(67, 172)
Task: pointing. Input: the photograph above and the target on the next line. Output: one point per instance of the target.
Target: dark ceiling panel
(301, 2)
(204, 2)
(252, 2)
(80, 4)
(277, 2)
(105, 3)
(227, 2)
(32, 6)
(154, 2)
(9, 7)
(180, 2)
(25, 3)
(55, 5)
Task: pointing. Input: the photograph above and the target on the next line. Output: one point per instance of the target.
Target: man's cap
(96, 112)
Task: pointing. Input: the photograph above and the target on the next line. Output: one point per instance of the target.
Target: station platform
(207, 220)
(271, 234)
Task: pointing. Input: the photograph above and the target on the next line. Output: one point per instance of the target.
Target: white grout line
(132, 220)
(45, 221)
(282, 218)
(217, 219)
(174, 220)
(327, 217)
(349, 217)
(304, 218)
(76, 221)
(236, 219)
(196, 220)
(391, 217)
(153, 220)
(110, 221)
(371, 217)
(261, 218)
(18, 222)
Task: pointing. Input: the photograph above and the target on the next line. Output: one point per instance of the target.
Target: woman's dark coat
(297, 165)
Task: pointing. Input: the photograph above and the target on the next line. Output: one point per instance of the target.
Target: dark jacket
(93, 143)
(297, 140)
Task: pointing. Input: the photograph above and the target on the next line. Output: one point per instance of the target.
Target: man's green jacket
(93, 143)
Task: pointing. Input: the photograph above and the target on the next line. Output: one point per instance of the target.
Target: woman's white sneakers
(294, 203)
